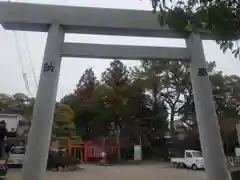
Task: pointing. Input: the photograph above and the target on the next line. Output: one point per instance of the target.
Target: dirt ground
(117, 172)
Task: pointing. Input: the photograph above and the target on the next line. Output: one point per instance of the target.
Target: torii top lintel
(86, 20)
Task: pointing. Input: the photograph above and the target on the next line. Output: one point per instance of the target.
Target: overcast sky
(15, 58)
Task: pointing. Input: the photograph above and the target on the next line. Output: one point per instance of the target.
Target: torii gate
(58, 20)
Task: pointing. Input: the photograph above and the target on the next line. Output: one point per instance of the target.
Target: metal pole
(34, 167)
(212, 147)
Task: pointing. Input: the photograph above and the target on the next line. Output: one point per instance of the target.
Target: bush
(235, 175)
(52, 160)
(57, 159)
(111, 158)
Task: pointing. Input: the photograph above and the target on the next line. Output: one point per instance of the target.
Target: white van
(16, 155)
(192, 159)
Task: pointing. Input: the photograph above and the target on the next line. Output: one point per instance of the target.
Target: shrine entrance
(58, 20)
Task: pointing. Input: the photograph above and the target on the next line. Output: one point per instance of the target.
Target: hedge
(58, 159)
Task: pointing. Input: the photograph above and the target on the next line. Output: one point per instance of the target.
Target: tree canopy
(218, 18)
(143, 103)
(137, 105)
(17, 103)
(64, 128)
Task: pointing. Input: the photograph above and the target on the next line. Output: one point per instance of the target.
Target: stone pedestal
(137, 153)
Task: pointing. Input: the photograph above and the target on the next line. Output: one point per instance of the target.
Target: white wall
(22, 129)
(11, 122)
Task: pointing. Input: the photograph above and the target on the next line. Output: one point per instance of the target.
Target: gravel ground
(117, 172)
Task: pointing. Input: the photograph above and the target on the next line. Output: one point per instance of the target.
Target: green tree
(100, 123)
(128, 102)
(175, 81)
(167, 81)
(116, 79)
(145, 121)
(18, 103)
(80, 101)
(203, 15)
(5, 101)
(226, 93)
(226, 96)
(63, 125)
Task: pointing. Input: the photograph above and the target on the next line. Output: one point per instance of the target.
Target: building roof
(22, 118)
(4, 113)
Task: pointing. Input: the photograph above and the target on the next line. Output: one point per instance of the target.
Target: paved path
(128, 172)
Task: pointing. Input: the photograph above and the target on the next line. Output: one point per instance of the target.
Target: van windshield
(197, 154)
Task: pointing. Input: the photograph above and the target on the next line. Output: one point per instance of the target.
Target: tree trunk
(172, 127)
(140, 143)
(140, 140)
(118, 143)
(104, 150)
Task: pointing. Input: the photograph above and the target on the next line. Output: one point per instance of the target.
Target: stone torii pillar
(40, 132)
(211, 143)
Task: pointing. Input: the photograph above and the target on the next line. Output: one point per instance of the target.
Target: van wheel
(175, 165)
(182, 165)
(194, 167)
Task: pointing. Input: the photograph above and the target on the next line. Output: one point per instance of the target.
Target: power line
(30, 59)
(20, 58)
(26, 83)
(21, 63)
